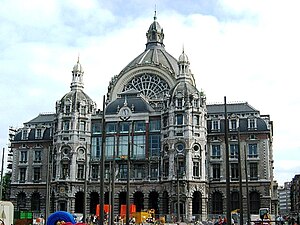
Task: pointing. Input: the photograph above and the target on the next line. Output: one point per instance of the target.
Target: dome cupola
(155, 34)
(77, 75)
(184, 66)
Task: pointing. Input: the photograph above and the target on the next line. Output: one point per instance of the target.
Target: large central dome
(152, 73)
(155, 53)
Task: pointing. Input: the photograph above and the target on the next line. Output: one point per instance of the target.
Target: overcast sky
(244, 50)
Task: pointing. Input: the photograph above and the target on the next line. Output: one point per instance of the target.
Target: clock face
(125, 113)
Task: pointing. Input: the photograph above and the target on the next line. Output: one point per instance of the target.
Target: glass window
(253, 170)
(179, 147)
(82, 126)
(80, 171)
(235, 203)
(181, 168)
(215, 125)
(165, 121)
(179, 119)
(254, 202)
(83, 109)
(166, 168)
(22, 174)
(35, 202)
(37, 156)
(179, 102)
(110, 127)
(67, 109)
(216, 171)
(123, 171)
(216, 151)
(196, 120)
(96, 127)
(234, 153)
(110, 147)
(154, 170)
(252, 151)
(234, 171)
(65, 170)
(24, 134)
(96, 147)
(196, 169)
(66, 125)
(38, 134)
(155, 125)
(124, 127)
(140, 126)
(232, 124)
(154, 145)
(36, 173)
(217, 203)
(252, 123)
(23, 156)
(139, 172)
(95, 169)
(123, 146)
(196, 103)
(139, 146)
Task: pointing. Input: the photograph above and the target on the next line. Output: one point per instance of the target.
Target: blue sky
(244, 50)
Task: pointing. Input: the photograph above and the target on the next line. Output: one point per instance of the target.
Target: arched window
(197, 204)
(138, 199)
(217, 203)
(165, 203)
(35, 201)
(235, 200)
(94, 200)
(21, 201)
(153, 201)
(79, 202)
(254, 202)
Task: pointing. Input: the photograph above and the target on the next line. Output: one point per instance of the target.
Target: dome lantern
(77, 75)
(155, 34)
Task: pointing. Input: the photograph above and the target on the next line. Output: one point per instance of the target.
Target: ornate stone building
(176, 142)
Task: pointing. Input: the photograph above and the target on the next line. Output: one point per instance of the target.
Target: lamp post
(178, 190)
(102, 166)
(240, 179)
(228, 211)
(2, 174)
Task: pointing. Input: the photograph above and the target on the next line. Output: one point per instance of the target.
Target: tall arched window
(79, 202)
(197, 204)
(35, 201)
(235, 198)
(217, 203)
(21, 201)
(254, 202)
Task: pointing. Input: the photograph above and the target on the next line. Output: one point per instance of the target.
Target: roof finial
(155, 13)
(182, 48)
(78, 57)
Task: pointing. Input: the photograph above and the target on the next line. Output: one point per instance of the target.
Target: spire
(77, 75)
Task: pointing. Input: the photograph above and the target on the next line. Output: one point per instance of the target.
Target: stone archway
(79, 202)
(138, 200)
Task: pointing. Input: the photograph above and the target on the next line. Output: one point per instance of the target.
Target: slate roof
(231, 108)
(132, 98)
(42, 118)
